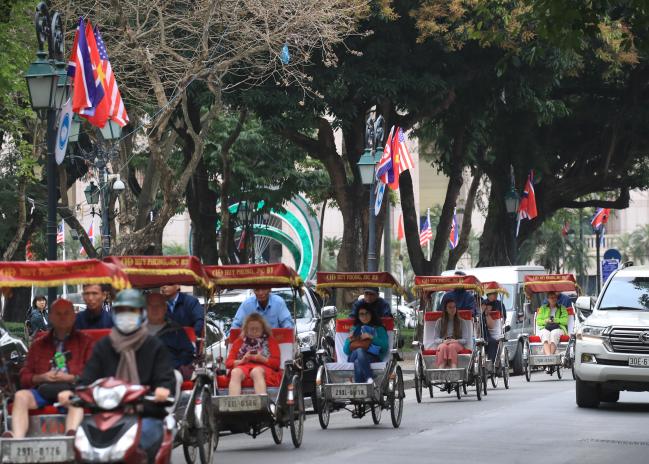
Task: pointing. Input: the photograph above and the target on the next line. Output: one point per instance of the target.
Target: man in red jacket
(53, 364)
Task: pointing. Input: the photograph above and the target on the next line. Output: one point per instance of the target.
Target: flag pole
(65, 287)
(431, 228)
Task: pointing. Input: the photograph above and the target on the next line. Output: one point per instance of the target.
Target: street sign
(62, 134)
(612, 253)
(608, 267)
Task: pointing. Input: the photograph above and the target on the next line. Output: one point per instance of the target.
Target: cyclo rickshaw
(212, 413)
(149, 272)
(498, 368)
(334, 388)
(45, 440)
(471, 369)
(533, 355)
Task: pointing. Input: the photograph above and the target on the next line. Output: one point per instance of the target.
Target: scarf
(126, 346)
(260, 345)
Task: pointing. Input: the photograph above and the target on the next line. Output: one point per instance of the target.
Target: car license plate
(349, 391)
(639, 361)
(34, 450)
(240, 403)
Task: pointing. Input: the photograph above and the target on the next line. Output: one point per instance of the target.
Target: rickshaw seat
(343, 326)
(564, 337)
(46, 410)
(537, 339)
(223, 381)
(432, 318)
(434, 352)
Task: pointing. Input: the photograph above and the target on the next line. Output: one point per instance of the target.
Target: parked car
(612, 344)
(308, 308)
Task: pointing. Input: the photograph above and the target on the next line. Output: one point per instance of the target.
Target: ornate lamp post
(374, 132)
(48, 89)
(511, 205)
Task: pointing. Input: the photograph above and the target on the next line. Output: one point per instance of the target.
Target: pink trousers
(448, 352)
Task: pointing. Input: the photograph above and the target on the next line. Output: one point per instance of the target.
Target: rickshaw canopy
(493, 287)
(550, 283)
(155, 271)
(253, 276)
(446, 283)
(54, 273)
(326, 280)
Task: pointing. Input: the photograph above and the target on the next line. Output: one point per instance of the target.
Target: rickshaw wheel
(190, 453)
(505, 369)
(526, 362)
(477, 379)
(376, 413)
(324, 413)
(277, 431)
(464, 390)
(419, 380)
(296, 412)
(559, 372)
(206, 438)
(396, 399)
(457, 390)
(493, 375)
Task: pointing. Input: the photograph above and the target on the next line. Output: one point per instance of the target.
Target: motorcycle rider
(131, 354)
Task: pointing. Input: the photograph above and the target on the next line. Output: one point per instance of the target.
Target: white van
(511, 278)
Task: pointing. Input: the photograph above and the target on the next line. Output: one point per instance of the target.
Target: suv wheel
(609, 396)
(587, 394)
(517, 362)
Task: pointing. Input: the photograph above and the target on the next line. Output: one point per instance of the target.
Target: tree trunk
(148, 193)
(455, 254)
(201, 204)
(420, 265)
(19, 237)
(497, 236)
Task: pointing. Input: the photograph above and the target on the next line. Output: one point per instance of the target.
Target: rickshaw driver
(47, 370)
(185, 309)
(372, 301)
(95, 315)
(271, 306)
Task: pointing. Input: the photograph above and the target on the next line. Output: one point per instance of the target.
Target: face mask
(127, 322)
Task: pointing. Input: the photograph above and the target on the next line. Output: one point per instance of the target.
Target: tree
(175, 60)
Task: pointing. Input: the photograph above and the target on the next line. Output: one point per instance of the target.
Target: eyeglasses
(363, 313)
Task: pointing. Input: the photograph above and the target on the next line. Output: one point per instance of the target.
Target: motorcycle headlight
(307, 339)
(592, 331)
(109, 398)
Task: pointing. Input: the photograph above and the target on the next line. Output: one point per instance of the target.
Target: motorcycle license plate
(240, 403)
(639, 361)
(349, 391)
(35, 450)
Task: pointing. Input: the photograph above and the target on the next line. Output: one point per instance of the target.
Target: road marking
(616, 442)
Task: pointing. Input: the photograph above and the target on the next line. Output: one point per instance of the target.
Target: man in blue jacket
(373, 301)
(463, 299)
(95, 315)
(184, 309)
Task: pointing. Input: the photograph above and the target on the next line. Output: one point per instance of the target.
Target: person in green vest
(551, 323)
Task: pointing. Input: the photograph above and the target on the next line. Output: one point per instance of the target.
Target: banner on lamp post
(63, 132)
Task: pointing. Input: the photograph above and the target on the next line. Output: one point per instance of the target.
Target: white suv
(612, 347)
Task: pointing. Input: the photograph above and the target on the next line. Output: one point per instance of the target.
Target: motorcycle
(111, 433)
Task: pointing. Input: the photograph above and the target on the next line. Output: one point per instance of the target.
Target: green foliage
(174, 249)
(634, 246)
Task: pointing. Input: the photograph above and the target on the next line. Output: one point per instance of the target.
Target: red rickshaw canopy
(155, 271)
(550, 283)
(327, 280)
(253, 276)
(446, 283)
(54, 273)
(493, 287)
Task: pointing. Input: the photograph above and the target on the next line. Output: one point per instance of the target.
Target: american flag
(384, 170)
(60, 234)
(117, 111)
(425, 231)
(405, 159)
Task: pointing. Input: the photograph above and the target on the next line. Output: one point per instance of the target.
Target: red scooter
(111, 433)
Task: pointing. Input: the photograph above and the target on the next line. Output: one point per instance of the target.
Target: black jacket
(188, 312)
(153, 365)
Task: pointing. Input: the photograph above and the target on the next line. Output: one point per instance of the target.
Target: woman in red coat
(254, 355)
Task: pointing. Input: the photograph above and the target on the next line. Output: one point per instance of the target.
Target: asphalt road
(536, 422)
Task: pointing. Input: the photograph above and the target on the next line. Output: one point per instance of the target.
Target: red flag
(101, 109)
(527, 206)
(85, 90)
(600, 218)
(401, 233)
(29, 255)
(565, 229)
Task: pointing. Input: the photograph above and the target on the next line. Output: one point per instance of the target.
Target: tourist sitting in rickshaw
(552, 322)
(373, 301)
(449, 337)
(271, 306)
(255, 355)
(491, 327)
(95, 316)
(132, 355)
(53, 363)
(171, 333)
(185, 309)
(367, 342)
(462, 298)
(37, 317)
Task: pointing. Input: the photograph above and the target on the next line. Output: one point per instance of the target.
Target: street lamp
(48, 87)
(374, 132)
(91, 192)
(511, 205)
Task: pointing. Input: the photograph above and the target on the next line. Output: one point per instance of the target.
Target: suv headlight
(307, 340)
(109, 398)
(592, 331)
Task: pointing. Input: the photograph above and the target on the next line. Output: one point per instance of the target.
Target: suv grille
(627, 340)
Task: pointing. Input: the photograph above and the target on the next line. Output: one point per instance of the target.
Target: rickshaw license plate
(34, 451)
(349, 391)
(242, 403)
(639, 361)
(540, 360)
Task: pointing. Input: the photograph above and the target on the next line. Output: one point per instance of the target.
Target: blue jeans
(151, 437)
(492, 348)
(362, 360)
